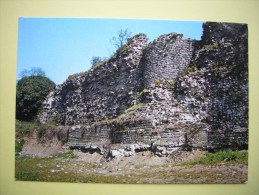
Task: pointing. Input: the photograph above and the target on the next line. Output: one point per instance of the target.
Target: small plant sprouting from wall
(76, 75)
(123, 49)
(134, 107)
(210, 47)
(218, 70)
(158, 83)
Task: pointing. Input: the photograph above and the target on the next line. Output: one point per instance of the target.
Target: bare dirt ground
(43, 164)
(144, 167)
(33, 147)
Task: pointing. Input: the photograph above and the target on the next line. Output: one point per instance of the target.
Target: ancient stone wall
(165, 57)
(234, 139)
(103, 92)
(172, 94)
(215, 84)
(126, 135)
(127, 139)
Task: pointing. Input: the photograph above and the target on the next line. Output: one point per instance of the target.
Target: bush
(121, 38)
(31, 91)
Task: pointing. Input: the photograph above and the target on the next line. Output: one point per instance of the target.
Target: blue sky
(64, 46)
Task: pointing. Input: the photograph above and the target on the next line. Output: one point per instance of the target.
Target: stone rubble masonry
(165, 57)
(171, 94)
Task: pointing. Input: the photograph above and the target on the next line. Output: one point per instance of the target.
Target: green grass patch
(59, 169)
(27, 176)
(18, 146)
(99, 64)
(25, 128)
(67, 154)
(122, 49)
(227, 156)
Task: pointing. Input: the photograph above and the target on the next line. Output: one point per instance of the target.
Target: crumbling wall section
(165, 57)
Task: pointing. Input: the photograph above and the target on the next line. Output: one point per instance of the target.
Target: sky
(65, 46)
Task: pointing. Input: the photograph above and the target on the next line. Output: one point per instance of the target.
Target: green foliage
(212, 46)
(218, 70)
(174, 36)
(67, 170)
(77, 75)
(34, 71)
(121, 38)
(169, 85)
(67, 154)
(119, 42)
(221, 156)
(158, 83)
(165, 84)
(188, 69)
(18, 146)
(24, 128)
(97, 61)
(134, 107)
(142, 92)
(122, 49)
(27, 176)
(99, 64)
(30, 93)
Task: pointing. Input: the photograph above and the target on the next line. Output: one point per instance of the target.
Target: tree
(121, 38)
(95, 60)
(33, 71)
(31, 91)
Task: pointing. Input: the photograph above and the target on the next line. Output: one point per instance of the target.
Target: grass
(18, 146)
(44, 133)
(227, 156)
(27, 176)
(77, 75)
(122, 49)
(65, 168)
(67, 154)
(24, 128)
(99, 64)
(59, 168)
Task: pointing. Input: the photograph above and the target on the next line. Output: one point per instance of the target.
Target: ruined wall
(165, 57)
(103, 92)
(234, 139)
(126, 139)
(134, 136)
(215, 84)
(172, 94)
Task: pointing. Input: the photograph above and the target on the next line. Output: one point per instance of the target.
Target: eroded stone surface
(171, 94)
